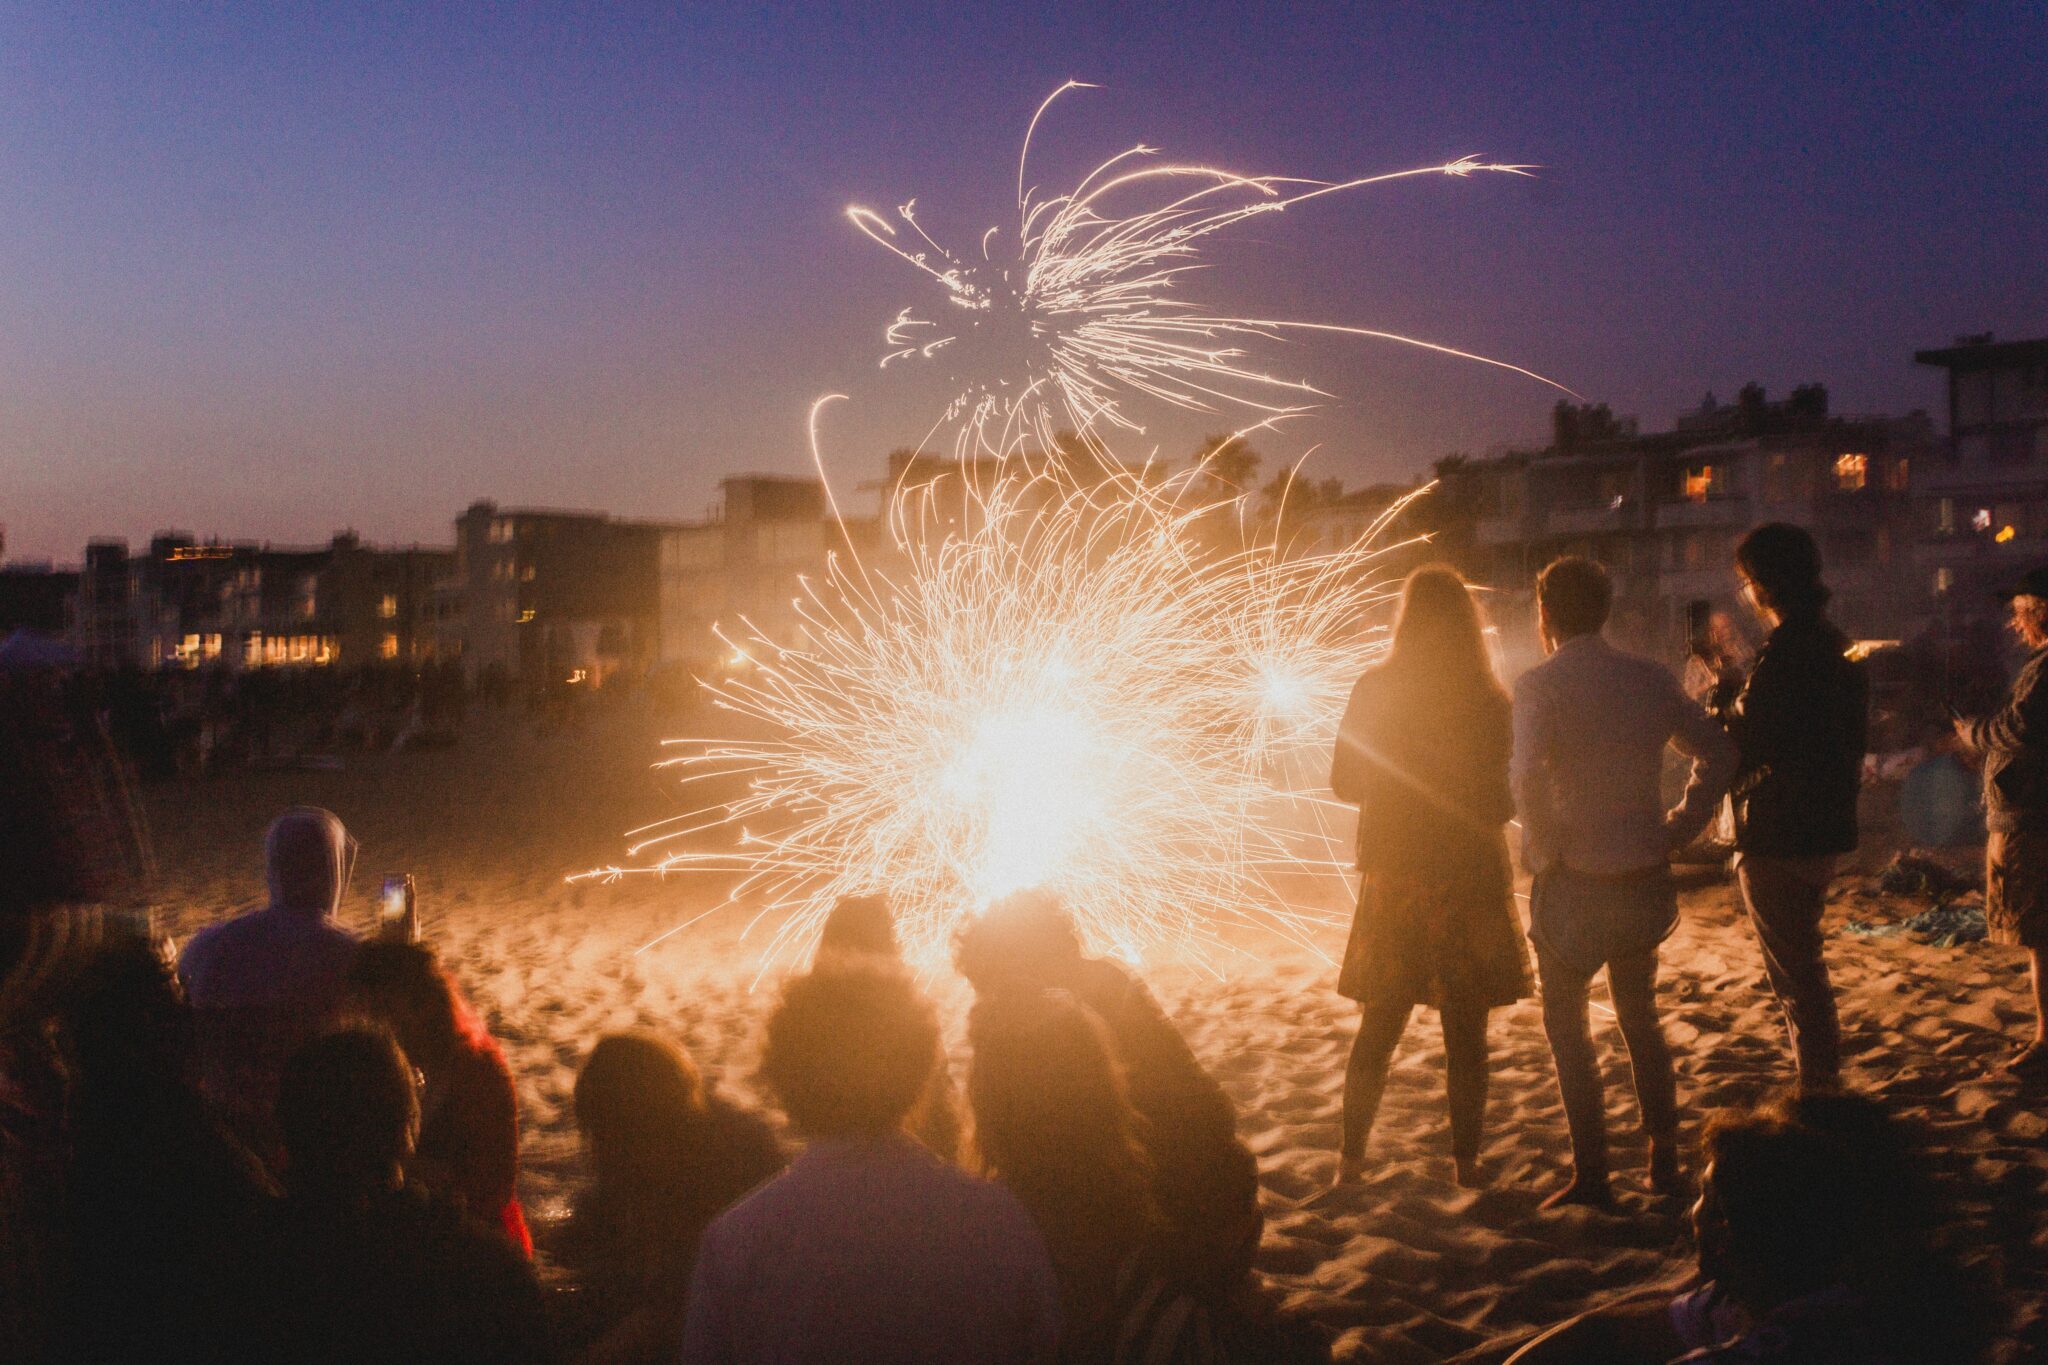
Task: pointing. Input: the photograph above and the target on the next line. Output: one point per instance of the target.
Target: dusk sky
(267, 271)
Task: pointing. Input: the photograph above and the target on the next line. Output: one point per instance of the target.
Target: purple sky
(268, 271)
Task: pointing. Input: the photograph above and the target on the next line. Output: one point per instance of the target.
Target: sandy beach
(1404, 1267)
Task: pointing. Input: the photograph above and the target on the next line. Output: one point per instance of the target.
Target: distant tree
(1808, 400)
(1287, 500)
(1751, 408)
(1574, 426)
(1229, 463)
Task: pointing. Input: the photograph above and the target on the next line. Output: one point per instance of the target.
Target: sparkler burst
(1055, 671)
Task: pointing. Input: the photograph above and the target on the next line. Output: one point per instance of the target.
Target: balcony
(1592, 518)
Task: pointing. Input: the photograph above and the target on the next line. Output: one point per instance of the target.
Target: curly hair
(850, 1048)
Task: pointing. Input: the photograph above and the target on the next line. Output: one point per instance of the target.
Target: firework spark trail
(1091, 296)
(1058, 669)
(1071, 695)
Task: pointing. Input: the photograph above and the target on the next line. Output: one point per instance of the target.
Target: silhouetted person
(264, 982)
(1591, 724)
(361, 1266)
(469, 1116)
(1053, 1123)
(668, 1156)
(865, 927)
(1800, 723)
(2014, 745)
(1423, 752)
(1816, 1244)
(161, 1204)
(1205, 1180)
(868, 1247)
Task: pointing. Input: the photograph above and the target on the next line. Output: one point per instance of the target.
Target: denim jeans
(1785, 897)
(1632, 983)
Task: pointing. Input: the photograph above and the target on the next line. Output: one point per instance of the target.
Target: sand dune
(1403, 1267)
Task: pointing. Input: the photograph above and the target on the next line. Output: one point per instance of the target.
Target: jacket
(2014, 745)
(1801, 722)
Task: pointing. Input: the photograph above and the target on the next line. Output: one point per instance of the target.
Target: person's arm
(2021, 721)
(1348, 761)
(1715, 758)
(1529, 776)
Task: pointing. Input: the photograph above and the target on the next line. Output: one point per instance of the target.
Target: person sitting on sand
(1205, 1180)
(865, 927)
(1815, 1240)
(868, 1247)
(264, 982)
(1053, 1123)
(469, 1118)
(2014, 746)
(159, 1204)
(1801, 723)
(1591, 724)
(360, 1264)
(668, 1156)
(1423, 752)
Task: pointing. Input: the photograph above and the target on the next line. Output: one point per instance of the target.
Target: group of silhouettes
(296, 1145)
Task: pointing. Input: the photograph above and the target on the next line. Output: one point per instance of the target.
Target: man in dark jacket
(2014, 745)
(1800, 722)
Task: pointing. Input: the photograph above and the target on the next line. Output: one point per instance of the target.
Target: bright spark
(1060, 669)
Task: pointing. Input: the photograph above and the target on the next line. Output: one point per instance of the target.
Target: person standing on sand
(1423, 753)
(2014, 746)
(1591, 724)
(1800, 722)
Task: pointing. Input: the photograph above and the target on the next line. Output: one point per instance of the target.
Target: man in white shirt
(868, 1248)
(1591, 724)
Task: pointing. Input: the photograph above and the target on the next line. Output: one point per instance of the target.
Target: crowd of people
(292, 1144)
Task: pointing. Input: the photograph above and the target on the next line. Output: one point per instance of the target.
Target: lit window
(1702, 481)
(1945, 517)
(1852, 472)
(1944, 579)
(387, 607)
(501, 531)
(1899, 479)
(1980, 520)
(387, 648)
(2005, 533)
(526, 615)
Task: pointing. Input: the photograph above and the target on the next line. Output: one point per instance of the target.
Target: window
(501, 530)
(387, 605)
(1945, 517)
(1852, 472)
(1899, 478)
(1703, 481)
(387, 648)
(1944, 579)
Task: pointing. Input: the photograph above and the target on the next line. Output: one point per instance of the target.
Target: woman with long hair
(1053, 1124)
(1423, 753)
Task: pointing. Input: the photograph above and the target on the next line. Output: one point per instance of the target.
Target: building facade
(1982, 502)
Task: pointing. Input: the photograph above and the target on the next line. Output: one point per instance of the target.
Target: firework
(1059, 670)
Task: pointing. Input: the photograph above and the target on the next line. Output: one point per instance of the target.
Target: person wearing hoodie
(266, 981)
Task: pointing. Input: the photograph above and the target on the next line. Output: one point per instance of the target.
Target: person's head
(307, 858)
(1439, 635)
(1026, 940)
(859, 925)
(1792, 1192)
(2026, 604)
(403, 987)
(348, 1111)
(850, 1049)
(1778, 565)
(637, 1095)
(1573, 596)
(1051, 1117)
(125, 1024)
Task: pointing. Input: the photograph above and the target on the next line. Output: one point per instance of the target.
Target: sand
(1403, 1267)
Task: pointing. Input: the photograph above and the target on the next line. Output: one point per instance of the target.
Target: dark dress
(1428, 770)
